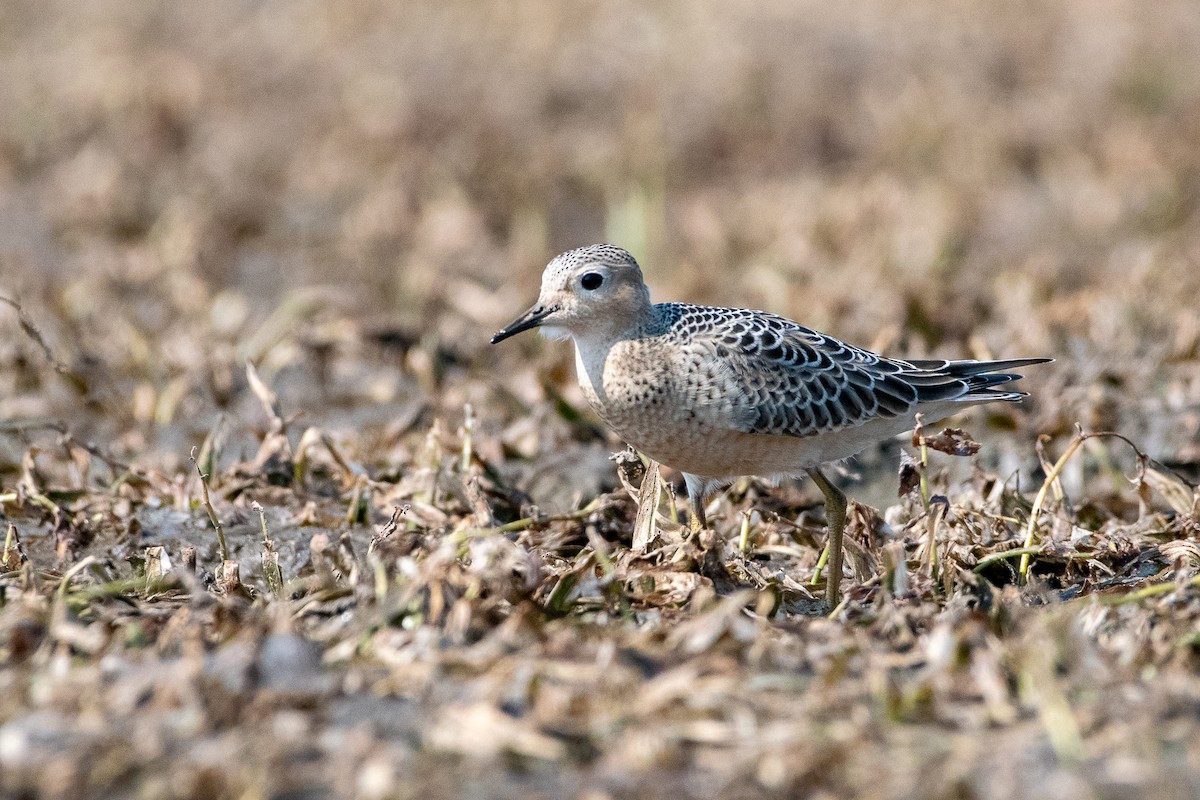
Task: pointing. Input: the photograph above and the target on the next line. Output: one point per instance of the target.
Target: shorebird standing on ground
(718, 393)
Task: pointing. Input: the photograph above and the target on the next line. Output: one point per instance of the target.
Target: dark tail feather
(967, 381)
(966, 368)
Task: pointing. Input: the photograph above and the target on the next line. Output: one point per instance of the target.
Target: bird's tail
(966, 381)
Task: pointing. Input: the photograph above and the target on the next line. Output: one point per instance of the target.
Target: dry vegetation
(425, 583)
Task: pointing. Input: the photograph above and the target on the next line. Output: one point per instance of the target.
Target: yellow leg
(835, 515)
(695, 490)
(697, 522)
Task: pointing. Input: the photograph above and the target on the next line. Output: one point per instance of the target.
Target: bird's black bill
(530, 319)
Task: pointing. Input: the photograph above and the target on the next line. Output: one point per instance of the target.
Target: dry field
(267, 242)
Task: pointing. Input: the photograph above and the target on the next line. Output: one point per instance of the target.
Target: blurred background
(356, 195)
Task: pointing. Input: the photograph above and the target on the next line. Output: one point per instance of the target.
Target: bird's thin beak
(530, 319)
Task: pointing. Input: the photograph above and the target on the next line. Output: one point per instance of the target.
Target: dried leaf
(910, 474)
(953, 442)
(1178, 494)
(649, 494)
(13, 555)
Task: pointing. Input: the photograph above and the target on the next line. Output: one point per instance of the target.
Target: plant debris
(277, 522)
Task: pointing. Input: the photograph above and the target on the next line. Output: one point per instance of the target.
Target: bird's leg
(697, 522)
(695, 490)
(835, 515)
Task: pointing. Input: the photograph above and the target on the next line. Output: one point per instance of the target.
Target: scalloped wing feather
(789, 380)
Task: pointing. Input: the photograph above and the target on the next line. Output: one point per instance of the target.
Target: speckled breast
(666, 402)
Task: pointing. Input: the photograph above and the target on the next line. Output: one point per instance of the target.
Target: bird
(720, 393)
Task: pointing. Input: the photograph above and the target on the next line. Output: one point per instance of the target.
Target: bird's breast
(656, 401)
(627, 384)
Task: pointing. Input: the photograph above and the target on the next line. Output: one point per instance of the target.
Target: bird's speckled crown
(600, 254)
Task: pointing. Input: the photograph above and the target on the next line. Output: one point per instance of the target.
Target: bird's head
(594, 288)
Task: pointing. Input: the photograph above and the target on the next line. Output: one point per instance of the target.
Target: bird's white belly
(716, 453)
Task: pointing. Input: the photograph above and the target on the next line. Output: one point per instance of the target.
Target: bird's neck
(592, 349)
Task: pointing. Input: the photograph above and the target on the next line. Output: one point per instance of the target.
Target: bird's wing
(784, 379)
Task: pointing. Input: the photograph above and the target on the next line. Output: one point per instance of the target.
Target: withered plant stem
(468, 436)
(212, 512)
(83, 564)
(931, 519)
(527, 522)
(1052, 477)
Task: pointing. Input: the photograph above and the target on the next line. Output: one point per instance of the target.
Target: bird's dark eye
(591, 280)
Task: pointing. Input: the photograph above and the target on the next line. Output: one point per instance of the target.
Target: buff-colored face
(600, 285)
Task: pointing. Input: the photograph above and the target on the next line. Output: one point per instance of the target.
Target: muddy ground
(279, 522)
